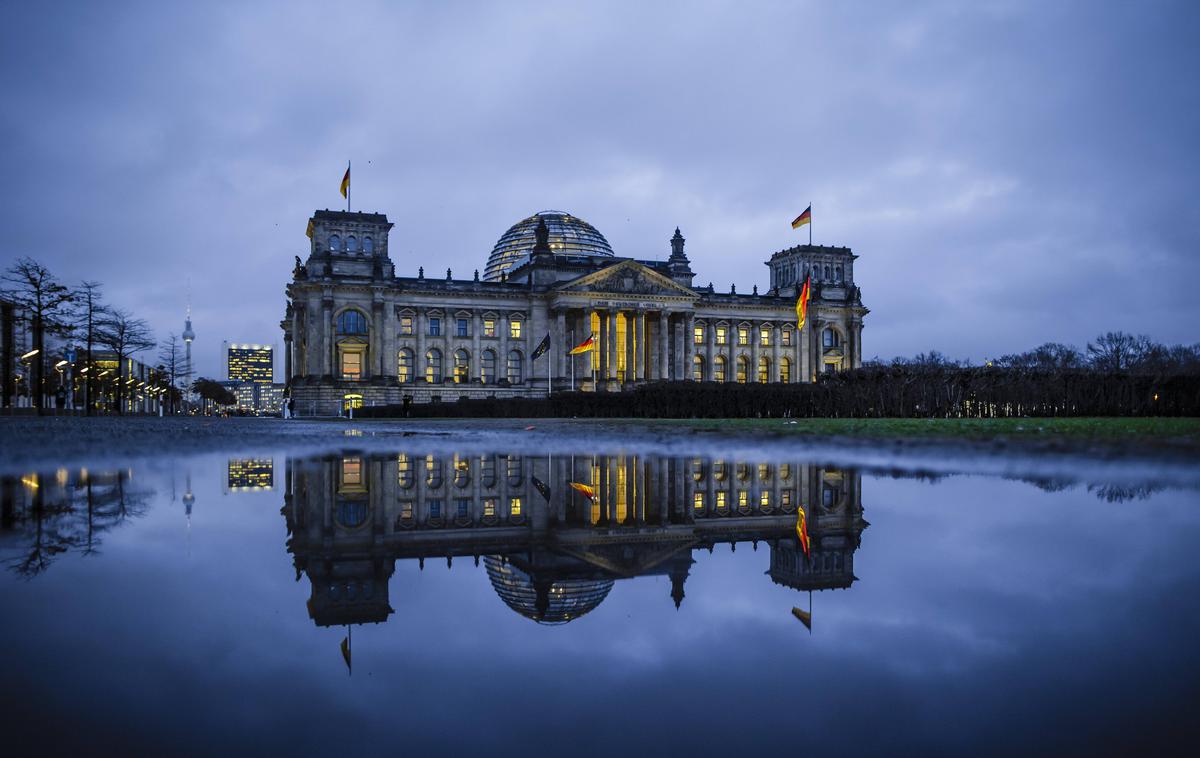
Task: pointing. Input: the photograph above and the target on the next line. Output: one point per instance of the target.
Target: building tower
(188, 336)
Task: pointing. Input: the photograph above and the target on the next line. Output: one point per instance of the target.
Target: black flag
(542, 347)
(542, 488)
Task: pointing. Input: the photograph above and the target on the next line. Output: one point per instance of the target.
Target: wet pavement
(445, 588)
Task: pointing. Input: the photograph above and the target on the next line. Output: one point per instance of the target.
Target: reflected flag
(802, 303)
(542, 347)
(542, 488)
(588, 490)
(804, 616)
(345, 188)
(584, 346)
(802, 529)
(803, 218)
(346, 652)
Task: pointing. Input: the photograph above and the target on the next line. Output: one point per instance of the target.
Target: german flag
(802, 529)
(588, 490)
(584, 346)
(309, 231)
(803, 218)
(346, 182)
(802, 303)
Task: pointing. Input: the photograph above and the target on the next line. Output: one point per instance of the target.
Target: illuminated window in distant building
(406, 325)
(462, 471)
(514, 367)
(433, 366)
(514, 506)
(514, 329)
(785, 369)
(404, 368)
(487, 367)
(742, 471)
(764, 369)
(764, 336)
(435, 326)
(743, 369)
(489, 327)
(719, 373)
(698, 335)
(462, 327)
(722, 335)
(785, 471)
(462, 366)
(719, 471)
(743, 335)
(697, 368)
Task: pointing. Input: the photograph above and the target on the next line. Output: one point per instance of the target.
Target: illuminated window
(764, 336)
(404, 368)
(743, 499)
(719, 470)
(406, 324)
(785, 337)
(764, 499)
(489, 327)
(743, 335)
(462, 327)
(352, 472)
(489, 507)
(462, 366)
(719, 373)
(406, 509)
(514, 367)
(764, 369)
(514, 329)
(351, 402)
(404, 471)
(698, 335)
(433, 471)
(351, 365)
(742, 471)
(487, 367)
(698, 501)
(785, 471)
(435, 327)
(697, 469)
(722, 500)
(743, 369)
(785, 369)
(352, 322)
(697, 368)
(764, 472)
(433, 366)
(722, 335)
(514, 506)
(785, 498)
(462, 472)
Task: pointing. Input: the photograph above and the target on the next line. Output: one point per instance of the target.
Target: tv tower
(188, 336)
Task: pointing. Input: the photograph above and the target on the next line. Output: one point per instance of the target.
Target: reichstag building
(356, 333)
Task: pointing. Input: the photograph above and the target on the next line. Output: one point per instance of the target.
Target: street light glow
(31, 353)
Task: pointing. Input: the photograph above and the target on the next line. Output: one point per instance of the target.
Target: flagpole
(810, 223)
(351, 181)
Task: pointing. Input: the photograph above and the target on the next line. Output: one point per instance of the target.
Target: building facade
(355, 333)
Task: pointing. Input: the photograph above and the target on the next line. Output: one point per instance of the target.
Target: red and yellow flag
(802, 529)
(802, 303)
(346, 182)
(587, 490)
(803, 218)
(309, 231)
(584, 346)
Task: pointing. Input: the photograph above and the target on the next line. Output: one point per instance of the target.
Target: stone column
(630, 354)
(611, 345)
(287, 358)
(680, 373)
(775, 334)
(374, 365)
(755, 349)
(420, 328)
(689, 341)
(559, 344)
(503, 325)
(664, 370)
(603, 350)
(329, 330)
(710, 358)
(475, 367)
(639, 356)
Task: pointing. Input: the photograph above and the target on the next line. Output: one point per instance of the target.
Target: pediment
(627, 278)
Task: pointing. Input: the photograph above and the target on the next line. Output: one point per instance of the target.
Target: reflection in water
(250, 474)
(44, 515)
(556, 534)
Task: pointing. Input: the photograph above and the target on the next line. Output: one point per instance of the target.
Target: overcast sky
(1009, 173)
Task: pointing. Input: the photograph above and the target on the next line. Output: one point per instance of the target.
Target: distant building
(251, 363)
(14, 342)
(250, 474)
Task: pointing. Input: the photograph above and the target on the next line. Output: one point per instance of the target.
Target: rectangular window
(464, 507)
(743, 335)
(698, 335)
(764, 500)
(489, 327)
(698, 501)
(785, 498)
(743, 498)
(721, 335)
(462, 328)
(764, 336)
(514, 329)
(489, 506)
(514, 506)
(406, 325)
(786, 337)
(721, 499)
(352, 366)
(435, 327)
(406, 510)
(435, 508)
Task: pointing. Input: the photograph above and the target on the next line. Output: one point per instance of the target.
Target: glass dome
(562, 601)
(569, 235)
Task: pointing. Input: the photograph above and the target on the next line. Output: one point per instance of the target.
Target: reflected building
(249, 474)
(555, 535)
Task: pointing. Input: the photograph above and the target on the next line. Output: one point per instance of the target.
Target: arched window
(351, 244)
(816, 272)
(829, 338)
(352, 322)
(487, 367)
(837, 273)
(404, 471)
(697, 368)
(785, 369)
(764, 369)
(514, 367)
(433, 472)
(462, 471)
(462, 366)
(404, 369)
(719, 369)
(827, 276)
(335, 243)
(368, 245)
(743, 369)
(512, 470)
(433, 366)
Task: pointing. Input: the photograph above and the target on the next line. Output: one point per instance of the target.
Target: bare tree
(173, 361)
(125, 336)
(1116, 351)
(45, 299)
(1051, 356)
(88, 312)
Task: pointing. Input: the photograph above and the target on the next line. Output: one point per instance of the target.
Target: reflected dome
(569, 235)
(560, 601)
